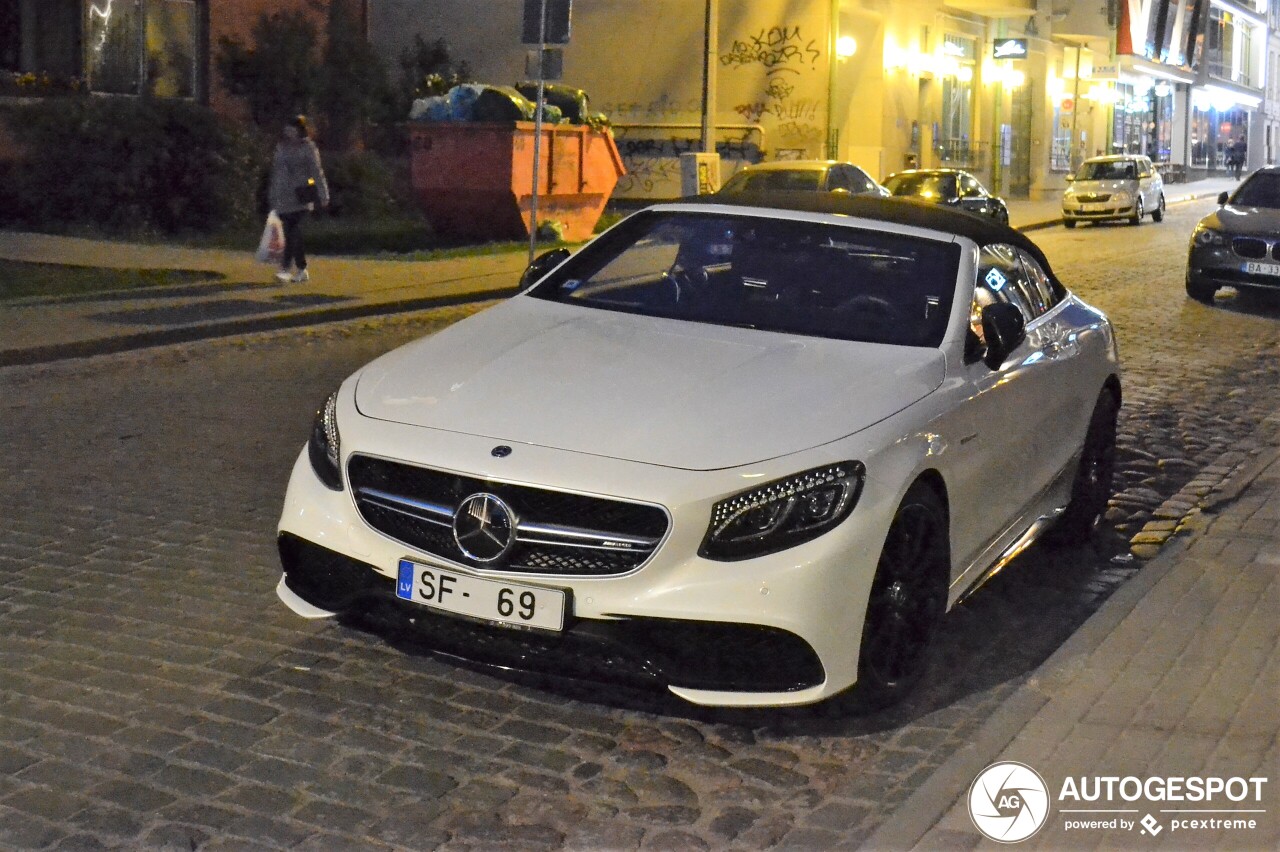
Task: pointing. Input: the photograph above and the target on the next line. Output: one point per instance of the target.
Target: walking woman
(297, 186)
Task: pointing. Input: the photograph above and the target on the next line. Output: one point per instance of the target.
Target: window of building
(1220, 42)
(40, 37)
(956, 127)
(118, 46)
(1245, 33)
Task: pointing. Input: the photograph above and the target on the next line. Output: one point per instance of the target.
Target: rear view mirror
(542, 264)
(1005, 328)
(1222, 198)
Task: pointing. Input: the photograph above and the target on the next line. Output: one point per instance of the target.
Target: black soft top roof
(898, 211)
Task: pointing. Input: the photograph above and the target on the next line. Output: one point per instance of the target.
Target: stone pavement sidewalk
(246, 298)
(1176, 676)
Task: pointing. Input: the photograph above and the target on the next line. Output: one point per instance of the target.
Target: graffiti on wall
(652, 158)
(778, 49)
(782, 52)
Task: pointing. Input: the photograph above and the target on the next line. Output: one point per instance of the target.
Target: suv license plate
(1255, 268)
(491, 600)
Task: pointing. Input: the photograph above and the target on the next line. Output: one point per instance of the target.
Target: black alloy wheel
(1138, 212)
(1091, 490)
(908, 599)
(1157, 215)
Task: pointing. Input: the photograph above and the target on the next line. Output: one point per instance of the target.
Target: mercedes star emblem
(484, 527)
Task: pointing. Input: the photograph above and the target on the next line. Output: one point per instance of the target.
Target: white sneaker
(283, 276)
(300, 276)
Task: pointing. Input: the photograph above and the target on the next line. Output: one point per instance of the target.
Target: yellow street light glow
(964, 74)
(846, 46)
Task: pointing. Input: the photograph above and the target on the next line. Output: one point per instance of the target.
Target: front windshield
(1108, 170)
(771, 274)
(765, 180)
(1262, 189)
(923, 185)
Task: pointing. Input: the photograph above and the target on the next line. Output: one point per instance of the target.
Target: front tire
(907, 601)
(1091, 489)
(1157, 215)
(1069, 223)
(1138, 212)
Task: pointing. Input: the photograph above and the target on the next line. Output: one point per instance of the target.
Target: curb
(227, 328)
(925, 808)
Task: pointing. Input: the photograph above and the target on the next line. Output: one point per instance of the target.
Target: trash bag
(571, 102)
(551, 114)
(271, 246)
(431, 109)
(462, 99)
(501, 104)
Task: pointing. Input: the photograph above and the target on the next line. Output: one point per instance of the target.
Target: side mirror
(840, 190)
(1222, 198)
(1004, 328)
(1071, 178)
(542, 264)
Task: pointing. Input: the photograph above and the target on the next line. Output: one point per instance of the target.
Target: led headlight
(783, 513)
(323, 448)
(1208, 237)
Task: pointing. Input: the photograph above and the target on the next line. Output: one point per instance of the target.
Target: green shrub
(362, 185)
(129, 165)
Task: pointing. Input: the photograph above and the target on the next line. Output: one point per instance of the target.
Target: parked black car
(1239, 244)
(952, 187)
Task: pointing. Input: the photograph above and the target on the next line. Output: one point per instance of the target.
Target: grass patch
(19, 279)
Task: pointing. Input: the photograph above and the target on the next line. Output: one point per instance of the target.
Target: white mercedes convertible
(746, 450)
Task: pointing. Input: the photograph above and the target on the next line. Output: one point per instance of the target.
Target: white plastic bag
(271, 246)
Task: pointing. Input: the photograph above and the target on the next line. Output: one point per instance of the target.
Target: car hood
(1250, 221)
(664, 392)
(1103, 186)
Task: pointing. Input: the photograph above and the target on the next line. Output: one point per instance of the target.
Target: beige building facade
(1017, 91)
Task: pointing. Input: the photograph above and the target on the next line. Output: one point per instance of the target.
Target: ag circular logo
(484, 527)
(1008, 802)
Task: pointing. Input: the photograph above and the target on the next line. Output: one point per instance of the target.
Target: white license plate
(1093, 206)
(1255, 268)
(492, 600)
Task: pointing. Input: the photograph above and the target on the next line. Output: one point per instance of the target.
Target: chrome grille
(1249, 247)
(556, 533)
(1093, 197)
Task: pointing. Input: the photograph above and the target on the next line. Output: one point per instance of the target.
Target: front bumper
(803, 606)
(632, 652)
(1079, 214)
(1220, 266)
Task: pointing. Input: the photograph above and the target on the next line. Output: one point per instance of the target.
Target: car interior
(792, 277)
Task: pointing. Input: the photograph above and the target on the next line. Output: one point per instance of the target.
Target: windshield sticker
(571, 285)
(995, 280)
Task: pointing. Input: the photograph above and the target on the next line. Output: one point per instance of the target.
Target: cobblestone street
(156, 694)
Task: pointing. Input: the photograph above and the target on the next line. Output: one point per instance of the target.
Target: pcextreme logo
(1008, 802)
